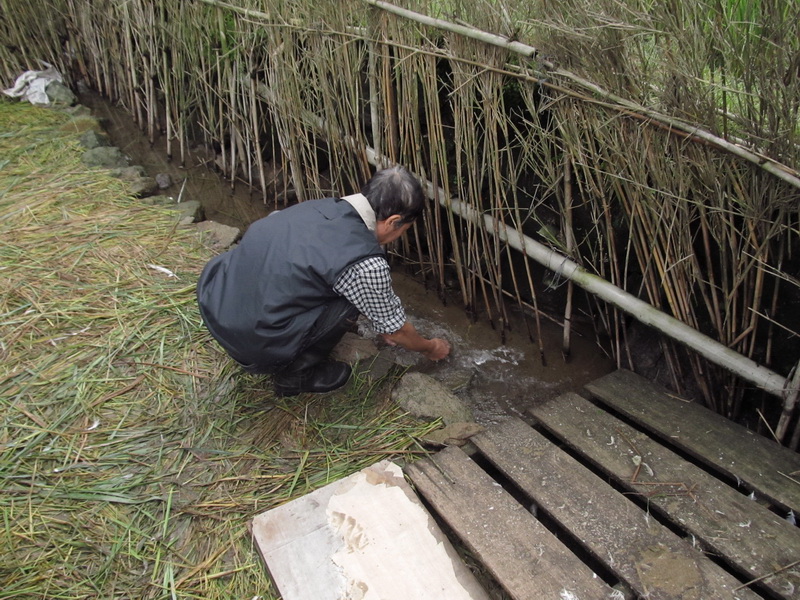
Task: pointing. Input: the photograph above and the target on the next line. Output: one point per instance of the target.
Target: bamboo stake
(256, 138)
(570, 247)
(233, 133)
(374, 102)
(790, 394)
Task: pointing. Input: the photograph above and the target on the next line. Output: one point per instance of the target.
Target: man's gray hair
(395, 191)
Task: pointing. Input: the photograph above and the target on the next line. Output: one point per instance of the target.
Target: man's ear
(395, 221)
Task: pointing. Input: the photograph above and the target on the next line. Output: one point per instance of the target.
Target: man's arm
(408, 338)
(368, 286)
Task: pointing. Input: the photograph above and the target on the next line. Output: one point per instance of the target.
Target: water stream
(498, 378)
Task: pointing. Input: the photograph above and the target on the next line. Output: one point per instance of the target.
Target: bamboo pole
(569, 237)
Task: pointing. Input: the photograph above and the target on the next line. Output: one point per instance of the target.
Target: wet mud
(494, 378)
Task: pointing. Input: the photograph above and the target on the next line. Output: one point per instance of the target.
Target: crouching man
(281, 299)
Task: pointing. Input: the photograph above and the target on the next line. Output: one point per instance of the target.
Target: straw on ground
(132, 454)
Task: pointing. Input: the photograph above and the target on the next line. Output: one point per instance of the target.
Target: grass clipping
(132, 454)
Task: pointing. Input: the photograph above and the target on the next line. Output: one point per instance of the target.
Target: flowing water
(506, 378)
(495, 378)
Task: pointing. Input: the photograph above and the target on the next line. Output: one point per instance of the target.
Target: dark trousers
(337, 319)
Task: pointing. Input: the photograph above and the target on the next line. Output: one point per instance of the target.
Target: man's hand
(439, 349)
(408, 338)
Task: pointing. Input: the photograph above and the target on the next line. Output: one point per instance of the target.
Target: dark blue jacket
(260, 298)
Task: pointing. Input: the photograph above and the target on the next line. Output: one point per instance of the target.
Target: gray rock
(104, 156)
(215, 235)
(143, 187)
(426, 398)
(80, 123)
(163, 180)
(188, 212)
(366, 359)
(60, 95)
(456, 434)
(92, 139)
(455, 379)
(354, 348)
(79, 110)
(131, 173)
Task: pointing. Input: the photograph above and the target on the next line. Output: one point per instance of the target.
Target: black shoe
(322, 377)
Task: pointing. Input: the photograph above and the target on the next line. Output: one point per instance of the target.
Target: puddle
(496, 379)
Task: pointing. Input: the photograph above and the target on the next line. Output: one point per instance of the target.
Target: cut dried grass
(132, 454)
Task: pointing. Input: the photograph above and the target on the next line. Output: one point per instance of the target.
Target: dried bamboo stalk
(770, 165)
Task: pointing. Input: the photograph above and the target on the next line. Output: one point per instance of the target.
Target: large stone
(426, 398)
(80, 123)
(362, 354)
(107, 157)
(188, 212)
(142, 187)
(353, 348)
(131, 173)
(454, 378)
(163, 180)
(60, 95)
(79, 110)
(93, 139)
(215, 235)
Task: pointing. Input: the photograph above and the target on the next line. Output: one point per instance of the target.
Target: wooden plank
(366, 536)
(648, 557)
(744, 532)
(762, 464)
(523, 556)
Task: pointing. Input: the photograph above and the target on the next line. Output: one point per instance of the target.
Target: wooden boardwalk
(632, 494)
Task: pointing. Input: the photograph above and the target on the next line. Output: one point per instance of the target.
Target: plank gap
(739, 486)
(581, 429)
(549, 523)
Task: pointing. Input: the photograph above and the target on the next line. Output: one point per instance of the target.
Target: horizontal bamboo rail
(786, 389)
(717, 353)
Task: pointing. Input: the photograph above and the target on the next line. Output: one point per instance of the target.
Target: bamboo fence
(654, 144)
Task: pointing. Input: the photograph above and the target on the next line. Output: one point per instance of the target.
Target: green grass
(133, 454)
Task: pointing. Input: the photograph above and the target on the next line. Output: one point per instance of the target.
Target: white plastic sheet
(32, 85)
